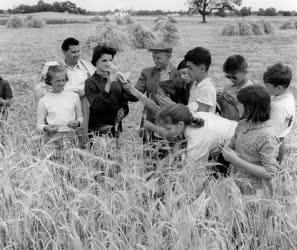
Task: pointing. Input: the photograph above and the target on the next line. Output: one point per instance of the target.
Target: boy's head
(235, 69)
(102, 58)
(198, 61)
(56, 77)
(183, 70)
(71, 50)
(277, 78)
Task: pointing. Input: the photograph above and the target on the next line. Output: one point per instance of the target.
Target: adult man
(161, 80)
(78, 71)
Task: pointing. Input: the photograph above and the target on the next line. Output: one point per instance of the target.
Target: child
(203, 93)
(187, 82)
(59, 112)
(5, 98)
(235, 69)
(108, 106)
(254, 148)
(202, 130)
(41, 89)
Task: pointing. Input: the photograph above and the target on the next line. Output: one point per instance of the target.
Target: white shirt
(205, 139)
(203, 92)
(78, 74)
(59, 109)
(282, 114)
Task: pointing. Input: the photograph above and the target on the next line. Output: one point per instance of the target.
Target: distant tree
(285, 13)
(245, 11)
(206, 7)
(270, 12)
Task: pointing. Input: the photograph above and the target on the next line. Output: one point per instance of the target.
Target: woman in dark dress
(104, 91)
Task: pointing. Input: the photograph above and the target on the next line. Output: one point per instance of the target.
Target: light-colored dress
(255, 143)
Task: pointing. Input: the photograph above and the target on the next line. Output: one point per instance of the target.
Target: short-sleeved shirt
(282, 114)
(200, 141)
(204, 92)
(257, 144)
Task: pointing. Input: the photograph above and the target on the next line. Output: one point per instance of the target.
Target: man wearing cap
(161, 80)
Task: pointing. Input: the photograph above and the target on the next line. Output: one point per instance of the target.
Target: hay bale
(97, 19)
(110, 35)
(34, 22)
(258, 29)
(15, 22)
(128, 20)
(289, 25)
(171, 19)
(167, 31)
(268, 27)
(231, 29)
(295, 24)
(140, 37)
(160, 19)
(245, 28)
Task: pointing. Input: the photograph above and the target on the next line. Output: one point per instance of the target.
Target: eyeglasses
(231, 77)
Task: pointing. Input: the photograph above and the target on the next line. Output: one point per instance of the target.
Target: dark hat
(161, 47)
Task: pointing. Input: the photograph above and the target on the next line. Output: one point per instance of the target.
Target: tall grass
(106, 199)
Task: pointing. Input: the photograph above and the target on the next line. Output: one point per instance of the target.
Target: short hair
(182, 65)
(199, 56)
(100, 50)
(178, 112)
(70, 41)
(278, 75)
(256, 103)
(235, 64)
(54, 70)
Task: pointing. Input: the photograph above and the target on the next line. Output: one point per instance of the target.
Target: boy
(5, 98)
(203, 92)
(277, 79)
(235, 69)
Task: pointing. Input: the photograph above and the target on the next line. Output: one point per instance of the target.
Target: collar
(253, 126)
(78, 65)
(204, 82)
(280, 97)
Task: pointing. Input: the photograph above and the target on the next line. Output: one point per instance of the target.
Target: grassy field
(47, 204)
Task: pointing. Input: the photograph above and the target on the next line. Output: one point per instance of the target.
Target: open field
(49, 205)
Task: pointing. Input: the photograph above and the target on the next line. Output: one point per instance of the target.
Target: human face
(196, 72)
(58, 82)
(72, 54)
(184, 75)
(161, 59)
(274, 90)
(237, 78)
(104, 64)
(173, 130)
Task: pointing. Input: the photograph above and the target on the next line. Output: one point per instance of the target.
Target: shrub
(110, 35)
(140, 37)
(167, 31)
(15, 22)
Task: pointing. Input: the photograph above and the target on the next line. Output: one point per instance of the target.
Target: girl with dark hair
(108, 106)
(254, 148)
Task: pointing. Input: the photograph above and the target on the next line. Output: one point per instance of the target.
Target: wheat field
(105, 198)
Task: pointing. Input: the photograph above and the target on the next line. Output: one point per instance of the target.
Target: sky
(98, 5)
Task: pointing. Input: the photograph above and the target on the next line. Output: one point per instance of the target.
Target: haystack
(295, 24)
(100, 19)
(140, 37)
(268, 28)
(126, 20)
(167, 31)
(34, 22)
(245, 28)
(258, 29)
(171, 19)
(15, 22)
(289, 25)
(110, 35)
(231, 29)
(160, 19)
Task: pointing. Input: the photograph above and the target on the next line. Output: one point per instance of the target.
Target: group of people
(244, 126)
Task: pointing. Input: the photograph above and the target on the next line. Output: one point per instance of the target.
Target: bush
(140, 37)
(167, 31)
(15, 22)
(110, 35)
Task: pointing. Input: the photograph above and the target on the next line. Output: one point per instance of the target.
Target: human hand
(52, 129)
(220, 95)
(73, 124)
(229, 154)
(80, 92)
(229, 98)
(121, 114)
